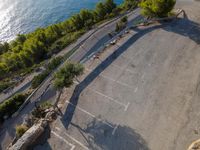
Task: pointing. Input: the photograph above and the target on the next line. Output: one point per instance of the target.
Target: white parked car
(113, 42)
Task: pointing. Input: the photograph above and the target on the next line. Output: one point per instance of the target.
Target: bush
(20, 130)
(130, 4)
(54, 63)
(33, 48)
(37, 80)
(124, 19)
(66, 75)
(45, 105)
(10, 106)
(4, 85)
(39, 112)
(121, 24)
(157, 8)
(64, 41)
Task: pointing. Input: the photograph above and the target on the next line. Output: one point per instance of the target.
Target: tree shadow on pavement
(41, 143)
(185, 27)
(99, 136)
(7, 132)
(46, 146)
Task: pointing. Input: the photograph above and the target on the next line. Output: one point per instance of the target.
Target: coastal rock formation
(29, 136)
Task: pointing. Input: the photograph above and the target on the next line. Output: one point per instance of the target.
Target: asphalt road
(20, 87)
(8, 130)
(142, 94)
(25, 85)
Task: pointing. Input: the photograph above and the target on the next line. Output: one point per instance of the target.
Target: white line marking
(136, 89)
(73, 139)
(114, 130)
(128, 70)
(88, 113)
(108, 97)
(76, 141)
(76, 82)
(57, 128)
(126, 107)
(81, 109)
(58, 136)
(123, 84)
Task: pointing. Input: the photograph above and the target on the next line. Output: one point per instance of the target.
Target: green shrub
(10, 106)
(121, 24)
(39, 112)
(157, 8)
(130, 4)
(45, 105)
(64, 41)
(20, 130)
(33, 48)
(4, 85)
(54, 63)
(37, 80)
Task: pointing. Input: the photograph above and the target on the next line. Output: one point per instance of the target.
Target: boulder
(195, 145)
(30, 136)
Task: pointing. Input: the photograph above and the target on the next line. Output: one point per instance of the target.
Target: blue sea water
(23, 16)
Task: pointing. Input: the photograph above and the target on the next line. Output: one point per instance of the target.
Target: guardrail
(108, 42)
(65, 59)
(179, 11)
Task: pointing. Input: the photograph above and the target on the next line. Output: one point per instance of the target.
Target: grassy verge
(53, 64)
(10, 106)
(64, 41)
(20, 130)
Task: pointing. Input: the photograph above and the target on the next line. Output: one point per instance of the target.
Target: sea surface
(23, 16)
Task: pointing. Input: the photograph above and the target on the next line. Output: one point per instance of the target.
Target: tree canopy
(157, 8)
(130, 4)
(65, 76)
(32, 48)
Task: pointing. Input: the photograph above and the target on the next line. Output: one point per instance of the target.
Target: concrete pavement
(142, 94)
(8, 130)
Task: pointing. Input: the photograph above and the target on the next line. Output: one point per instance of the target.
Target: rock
(195, 145)
(51, 115)
(28, 121)
(29, 136)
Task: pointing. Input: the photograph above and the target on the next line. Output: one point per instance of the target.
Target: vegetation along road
(141, 94)
(89, 46)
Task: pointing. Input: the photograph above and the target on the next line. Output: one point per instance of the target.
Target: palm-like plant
(64, 78)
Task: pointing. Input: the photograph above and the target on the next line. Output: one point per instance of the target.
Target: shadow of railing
(99, 135)
(101, 41)
(185, 27)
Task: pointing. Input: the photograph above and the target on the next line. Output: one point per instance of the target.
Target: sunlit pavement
(140, 94)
